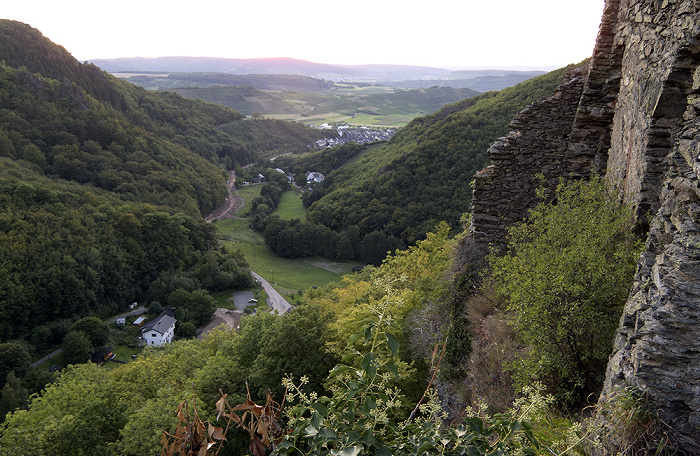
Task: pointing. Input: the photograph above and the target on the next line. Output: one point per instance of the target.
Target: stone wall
(653, 161)
(655, 82)
(505, 190)
(634, 116)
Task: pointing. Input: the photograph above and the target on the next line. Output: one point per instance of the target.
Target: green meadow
(287, 275)
(290, 206)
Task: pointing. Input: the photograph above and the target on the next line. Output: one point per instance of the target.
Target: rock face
(634, 115)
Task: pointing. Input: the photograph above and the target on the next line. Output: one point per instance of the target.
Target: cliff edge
(632, 114)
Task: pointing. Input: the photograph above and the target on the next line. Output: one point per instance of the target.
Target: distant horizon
(539, 34)
(546, 68)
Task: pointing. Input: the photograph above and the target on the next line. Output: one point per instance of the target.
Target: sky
(543, 34)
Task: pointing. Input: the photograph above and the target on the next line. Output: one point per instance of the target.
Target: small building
(101, 355)
(160, 330)
(313, 177)
(139, 321)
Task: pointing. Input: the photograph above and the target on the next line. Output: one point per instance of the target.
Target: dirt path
(231, 318)
(231, 205)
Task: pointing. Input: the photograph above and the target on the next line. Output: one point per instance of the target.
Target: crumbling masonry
(632, 114)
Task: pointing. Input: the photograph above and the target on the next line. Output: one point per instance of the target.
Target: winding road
(232, 205)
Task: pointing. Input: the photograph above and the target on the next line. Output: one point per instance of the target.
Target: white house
(160, 330)
(314, 177)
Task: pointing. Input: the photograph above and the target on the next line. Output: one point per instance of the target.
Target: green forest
(103, 188)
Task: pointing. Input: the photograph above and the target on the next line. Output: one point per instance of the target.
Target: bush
(565, 278)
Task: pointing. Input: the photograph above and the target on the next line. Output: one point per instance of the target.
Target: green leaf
(382, 451)
(339, 369)
(348, 451)
(316, 421)
(354, 338)
(369, 365)
(327, 433)
(393, 343)
(349, 356)
(394, 369)
(320, 408)
(369, 330)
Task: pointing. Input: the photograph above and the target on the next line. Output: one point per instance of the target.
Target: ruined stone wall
(655, 81)
(566, 134)
(505, 190)
(654, 160)
(636, 117)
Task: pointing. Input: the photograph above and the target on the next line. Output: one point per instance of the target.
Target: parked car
(252, 301)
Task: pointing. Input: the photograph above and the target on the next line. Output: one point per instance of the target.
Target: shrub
(565, 277)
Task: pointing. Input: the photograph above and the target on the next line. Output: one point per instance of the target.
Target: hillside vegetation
(103, 186)
(385, 197)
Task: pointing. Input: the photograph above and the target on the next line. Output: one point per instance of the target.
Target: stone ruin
(633, 115)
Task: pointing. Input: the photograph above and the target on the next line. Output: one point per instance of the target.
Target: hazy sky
(444, 33)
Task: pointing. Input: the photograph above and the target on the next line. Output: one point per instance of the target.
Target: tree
(196, 307)
(13, 357)
(186, 330)
(95, 329)
(155, 308)
(76, 347)
(13, 395)
(565, 278)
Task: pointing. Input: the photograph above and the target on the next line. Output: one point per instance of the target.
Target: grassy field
(290, 206)
(287, 275)
(248, 192)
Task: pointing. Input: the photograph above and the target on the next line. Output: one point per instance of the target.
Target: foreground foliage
(361, 415)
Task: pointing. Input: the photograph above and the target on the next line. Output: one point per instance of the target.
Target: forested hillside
(103, 186)
(388, 197)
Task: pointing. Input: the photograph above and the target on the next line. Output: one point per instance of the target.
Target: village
(359, 135)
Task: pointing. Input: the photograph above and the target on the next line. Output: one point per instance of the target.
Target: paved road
(275, 299)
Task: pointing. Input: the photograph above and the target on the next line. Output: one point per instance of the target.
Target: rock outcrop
(634, 115)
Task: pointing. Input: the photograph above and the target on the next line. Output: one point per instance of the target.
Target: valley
(512, 271)
(371, 95)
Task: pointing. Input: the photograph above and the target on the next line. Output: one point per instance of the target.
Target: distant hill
(292, 89)
(400, 76)
(478, 80)
(282, 65)
(385, 197)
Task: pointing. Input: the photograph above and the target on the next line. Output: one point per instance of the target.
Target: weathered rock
(633, 116)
